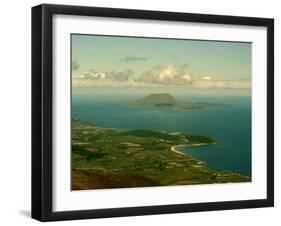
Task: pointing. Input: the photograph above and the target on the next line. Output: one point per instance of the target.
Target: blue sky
(220, 60)
(120, 62)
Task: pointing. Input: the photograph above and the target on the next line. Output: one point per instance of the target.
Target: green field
(116, 158)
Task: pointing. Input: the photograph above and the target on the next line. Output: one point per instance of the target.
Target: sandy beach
(173, 149)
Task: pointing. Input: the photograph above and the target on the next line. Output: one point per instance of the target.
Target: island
(167, 100)
(105, 158)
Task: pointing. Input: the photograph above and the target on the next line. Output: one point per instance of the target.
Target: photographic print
(159, 112)
(138, 112)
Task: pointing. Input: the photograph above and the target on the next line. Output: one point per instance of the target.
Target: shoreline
(173, 148)
(200, 162)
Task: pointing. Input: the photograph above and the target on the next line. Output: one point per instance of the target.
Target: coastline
(173, 148)
(199, 162)
(161, 168)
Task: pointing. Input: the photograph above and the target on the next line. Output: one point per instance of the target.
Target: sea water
(231, 126)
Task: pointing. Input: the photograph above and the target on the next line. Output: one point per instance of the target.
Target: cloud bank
(159, 76)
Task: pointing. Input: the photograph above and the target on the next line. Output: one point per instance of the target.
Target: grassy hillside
(114, 158)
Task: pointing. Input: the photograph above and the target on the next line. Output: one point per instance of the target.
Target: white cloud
(187, 77)
(171, 75)
(168, 73)
(76, 82)
(92, 75)
(236, 84)
(174, 75)
(123, 75)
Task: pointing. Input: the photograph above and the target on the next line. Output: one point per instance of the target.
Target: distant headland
(167, 100)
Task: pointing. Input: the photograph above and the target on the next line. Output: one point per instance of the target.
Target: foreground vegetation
(115, 158)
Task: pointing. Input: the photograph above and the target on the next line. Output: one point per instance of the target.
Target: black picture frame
(42, 111)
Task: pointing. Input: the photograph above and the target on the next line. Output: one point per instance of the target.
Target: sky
(111, 61)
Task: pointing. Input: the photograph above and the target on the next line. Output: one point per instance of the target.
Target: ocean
(231, 126)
